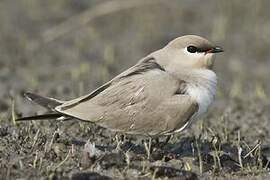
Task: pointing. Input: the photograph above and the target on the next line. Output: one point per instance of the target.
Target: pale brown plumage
(150, 98)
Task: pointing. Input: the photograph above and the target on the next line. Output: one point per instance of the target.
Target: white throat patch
(204, 90)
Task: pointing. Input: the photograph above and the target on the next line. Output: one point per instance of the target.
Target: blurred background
(67, 48)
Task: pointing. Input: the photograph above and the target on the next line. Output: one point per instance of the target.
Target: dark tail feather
(40, 117)
(46, 102)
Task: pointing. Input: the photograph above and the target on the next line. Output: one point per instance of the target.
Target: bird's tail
(48, 103)
(41, 117)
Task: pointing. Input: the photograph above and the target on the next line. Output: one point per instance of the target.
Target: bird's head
(188, 52)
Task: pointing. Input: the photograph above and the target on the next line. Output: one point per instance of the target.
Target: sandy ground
(64, 49)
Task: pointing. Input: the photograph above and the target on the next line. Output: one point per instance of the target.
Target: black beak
(216, 50)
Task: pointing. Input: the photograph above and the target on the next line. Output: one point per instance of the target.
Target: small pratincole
(160, 95)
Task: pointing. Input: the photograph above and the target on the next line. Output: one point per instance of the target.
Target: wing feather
(144, 65)
(145, 99)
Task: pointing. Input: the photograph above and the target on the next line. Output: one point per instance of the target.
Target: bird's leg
(119, 140)
(162, 144)
(156, 141)
(148, 147)
(167, 139)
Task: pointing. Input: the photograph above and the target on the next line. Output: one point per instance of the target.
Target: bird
(162, 94)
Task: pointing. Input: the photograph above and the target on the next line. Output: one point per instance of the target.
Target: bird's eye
(192, 49)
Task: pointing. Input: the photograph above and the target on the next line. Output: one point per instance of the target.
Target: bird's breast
(203, 91)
